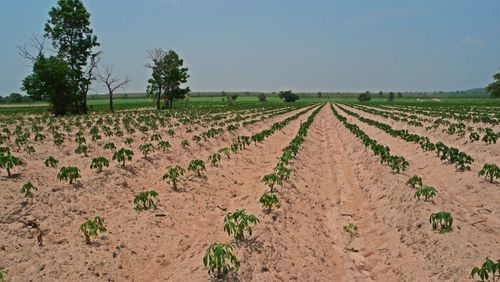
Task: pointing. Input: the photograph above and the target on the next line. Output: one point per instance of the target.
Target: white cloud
(471, 41)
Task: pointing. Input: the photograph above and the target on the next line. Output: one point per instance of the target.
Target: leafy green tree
(391, 96)
(72, 38)
(365, 97)
(167, 76)
(494, 88)
(50, 80)
(262, 97)
(288, 96)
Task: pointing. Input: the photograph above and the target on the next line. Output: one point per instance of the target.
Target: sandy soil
(335, 181)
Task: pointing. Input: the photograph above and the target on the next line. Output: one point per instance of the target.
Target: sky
(271, 45)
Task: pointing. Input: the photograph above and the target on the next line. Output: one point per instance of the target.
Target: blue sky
(268, 45)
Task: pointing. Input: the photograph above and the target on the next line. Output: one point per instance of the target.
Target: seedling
(4, 271)
(214, 159)
(238, 223)
(271, 180)
(428, 192)
(487, 270)
(197, 166)
(91, 228)
(474, 136)
(68, 173)
(173, 175)
(99, 163)
(27, 189)
(490, 171)
(145, 200)
(414, 181)
(224, 151)
(123, 155)
(220, 260)
(51, 161)
(184, 143)
(82, 149)
(171, 132)
(110, 146)
(8, 162)
(129, 141)
(163, 145)
(352, 230)
(268, 202)
(441, 221)
(29, 150)
(146, 148)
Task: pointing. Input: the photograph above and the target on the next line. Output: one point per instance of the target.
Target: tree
(73, 40)
(167, 77)
(319, 95)
(494, 88)
(365, 97)
(390, 98)
(400, 95)
(288, 96)
(111, 82)
(50, 79)
(262, 97)
(380, 94)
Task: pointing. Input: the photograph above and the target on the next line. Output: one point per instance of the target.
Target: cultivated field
(359, 187)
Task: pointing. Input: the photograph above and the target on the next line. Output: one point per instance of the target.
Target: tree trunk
(158, 99)
(111, 101)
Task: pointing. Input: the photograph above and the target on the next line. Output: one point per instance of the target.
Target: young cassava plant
(197, 166)
(145, 200)
(27, 189)
(441, 221)
(123, 155)
(91, 228)
(489, 271)
(99, 163)
(68, 173)
(238, 222)
(428, 192)
(268, 202)
(220, 260)
(51, 162)
(173, 175)
(490, 171)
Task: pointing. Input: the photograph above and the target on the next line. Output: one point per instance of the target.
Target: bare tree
(37, 43)
(89, 75)
(111, 82)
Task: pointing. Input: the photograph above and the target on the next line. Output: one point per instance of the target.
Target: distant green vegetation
(120, 103)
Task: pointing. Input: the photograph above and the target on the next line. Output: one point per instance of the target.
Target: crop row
(397, 163)
(452, 155)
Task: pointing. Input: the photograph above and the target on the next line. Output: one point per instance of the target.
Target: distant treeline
(457, 94)
(15, 98)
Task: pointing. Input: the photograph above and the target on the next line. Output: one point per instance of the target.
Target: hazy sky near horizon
(268, 45)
